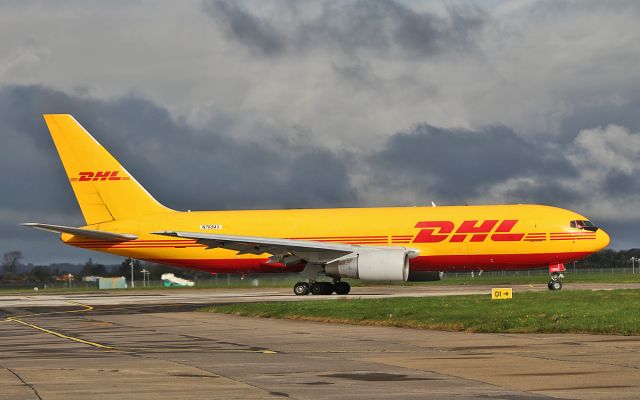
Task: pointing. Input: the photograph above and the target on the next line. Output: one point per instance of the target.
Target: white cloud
(601, 155)
(528, 65)
(606, 162)
(600, 151)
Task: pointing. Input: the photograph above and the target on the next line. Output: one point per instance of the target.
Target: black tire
(316, 289)
(557, 285)
(550, 285)
(342, 288)
(327, 288)
(301, 289)
(321, 288)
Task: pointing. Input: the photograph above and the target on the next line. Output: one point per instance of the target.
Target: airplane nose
(602, 239)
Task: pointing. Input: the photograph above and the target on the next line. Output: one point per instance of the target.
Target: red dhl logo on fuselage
(477, 231)
(99, 176)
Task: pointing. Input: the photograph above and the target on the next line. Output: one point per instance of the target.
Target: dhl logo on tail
(87, 176)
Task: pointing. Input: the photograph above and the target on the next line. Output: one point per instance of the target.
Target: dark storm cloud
(624, 234)
(186, 167)
(384, 27)
(183, 167)
(192, 168)
(620, 183)
(456, 164)
(621, 109)
(257, 34)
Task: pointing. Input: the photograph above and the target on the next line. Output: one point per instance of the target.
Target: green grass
(522, 278)
(602, 312)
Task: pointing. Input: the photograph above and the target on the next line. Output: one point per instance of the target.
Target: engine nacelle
(425, 276)
(372, 265)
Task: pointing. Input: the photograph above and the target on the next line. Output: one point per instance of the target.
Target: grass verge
(602, 312)
(514, 278)
(509, 278)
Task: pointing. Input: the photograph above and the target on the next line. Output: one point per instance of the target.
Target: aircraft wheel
(301, 289)
(554, 285)
(321, 288)
(316, 289)
(342, 288)
(327, 287)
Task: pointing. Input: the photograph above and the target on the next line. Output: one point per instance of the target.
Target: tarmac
(154, 345)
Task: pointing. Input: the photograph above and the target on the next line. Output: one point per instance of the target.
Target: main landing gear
(555, 283)
(321, 288)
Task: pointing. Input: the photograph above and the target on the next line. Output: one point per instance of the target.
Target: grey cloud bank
(269, 104)
(387, 28)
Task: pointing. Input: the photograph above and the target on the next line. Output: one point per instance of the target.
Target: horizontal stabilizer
(88, 233)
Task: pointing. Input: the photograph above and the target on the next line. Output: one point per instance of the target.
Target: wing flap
(88, 233)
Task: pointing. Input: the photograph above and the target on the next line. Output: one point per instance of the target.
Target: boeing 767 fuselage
(375, 244)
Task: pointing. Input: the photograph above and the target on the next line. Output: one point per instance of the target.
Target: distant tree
(610, 259)
(124, 269)
(99, 270)
(92, 269)
(10, 262)
(41, 273)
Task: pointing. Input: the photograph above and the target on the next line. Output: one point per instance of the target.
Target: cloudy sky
(219, 104)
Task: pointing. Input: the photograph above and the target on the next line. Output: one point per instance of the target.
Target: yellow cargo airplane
(374, 244)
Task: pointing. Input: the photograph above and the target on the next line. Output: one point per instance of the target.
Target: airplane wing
(280, 249)
(88, 233)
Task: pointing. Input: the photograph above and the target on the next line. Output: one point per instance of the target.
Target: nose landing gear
(556, 270)
(555, 283)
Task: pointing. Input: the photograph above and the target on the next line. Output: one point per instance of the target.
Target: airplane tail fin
(104, 189)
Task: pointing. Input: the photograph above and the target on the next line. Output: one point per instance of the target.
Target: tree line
(14, 271)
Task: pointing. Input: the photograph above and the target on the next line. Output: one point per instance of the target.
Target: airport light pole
(633, 264)
(133, 285)
(144, 276)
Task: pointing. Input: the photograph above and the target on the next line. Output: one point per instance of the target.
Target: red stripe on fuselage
(338, 237)
(421, 263)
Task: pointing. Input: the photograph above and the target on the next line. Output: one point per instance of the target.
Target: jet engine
(372, 265)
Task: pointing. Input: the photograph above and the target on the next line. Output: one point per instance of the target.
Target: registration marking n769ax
(210, 226)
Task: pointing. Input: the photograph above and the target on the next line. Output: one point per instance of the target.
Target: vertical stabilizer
(104, 189)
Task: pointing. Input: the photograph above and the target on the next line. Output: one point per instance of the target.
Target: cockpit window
(583, 224)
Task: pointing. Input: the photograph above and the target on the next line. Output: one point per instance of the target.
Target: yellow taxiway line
(58, 334)
(85, 308)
